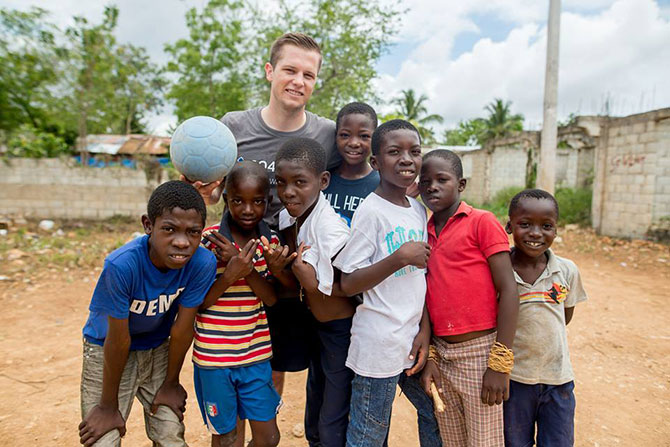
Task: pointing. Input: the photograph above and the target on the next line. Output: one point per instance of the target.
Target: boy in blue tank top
(140, 324)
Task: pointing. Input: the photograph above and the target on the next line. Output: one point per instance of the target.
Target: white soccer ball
(203, 149)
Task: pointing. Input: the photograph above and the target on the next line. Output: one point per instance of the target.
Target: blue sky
(463, 54)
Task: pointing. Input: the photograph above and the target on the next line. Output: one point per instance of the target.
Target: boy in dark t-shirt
(354, 179)
(141, 322)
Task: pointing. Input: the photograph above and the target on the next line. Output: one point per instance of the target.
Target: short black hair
(175, 194)
(359, 108)
(248, 168)
(308, 152)
(450, 157)
(538, 194)
(390, 126)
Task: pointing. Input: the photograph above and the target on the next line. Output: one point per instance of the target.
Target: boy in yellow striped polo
(232, 348)
(541, 405)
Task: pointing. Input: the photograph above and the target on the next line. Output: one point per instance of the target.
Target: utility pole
(546, 177)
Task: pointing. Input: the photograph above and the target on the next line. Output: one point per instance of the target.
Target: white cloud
(621, 52)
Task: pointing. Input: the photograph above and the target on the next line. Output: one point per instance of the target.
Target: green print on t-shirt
(394, 239)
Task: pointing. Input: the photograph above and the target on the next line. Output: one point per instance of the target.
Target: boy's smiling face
(533, 226)
(247, 200)
(439, 185)
(399, 158)
(354, 137)
(173, 237)
(298, 186)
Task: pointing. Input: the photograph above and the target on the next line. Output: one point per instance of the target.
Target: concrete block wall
(632, 188)
(508, 166)
(58, 188)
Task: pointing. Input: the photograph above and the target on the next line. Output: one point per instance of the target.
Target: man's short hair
(538, 194)
(354, 108)
(246, 169)
(450, 157)
(299, 40)
(175, 194)
(306, 151)
(390, 126)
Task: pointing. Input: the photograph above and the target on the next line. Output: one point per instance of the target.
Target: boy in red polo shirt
(473, 304)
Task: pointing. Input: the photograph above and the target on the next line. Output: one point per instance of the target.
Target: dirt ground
(619, 344)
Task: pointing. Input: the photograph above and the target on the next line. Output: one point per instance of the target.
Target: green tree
(500, 121)
(209, 65)
(353, 35)
(412, 108)
(28, 61)
(467, 133)
(139, 87)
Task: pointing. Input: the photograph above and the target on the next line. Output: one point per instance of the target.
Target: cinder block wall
(58, 188)
(632, 187)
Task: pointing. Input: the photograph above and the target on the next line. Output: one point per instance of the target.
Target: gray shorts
(144, 373)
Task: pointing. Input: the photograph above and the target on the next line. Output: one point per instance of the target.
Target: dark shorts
(545, 413)
(293, 334)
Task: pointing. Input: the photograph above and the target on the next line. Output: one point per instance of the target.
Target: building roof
(127, 144)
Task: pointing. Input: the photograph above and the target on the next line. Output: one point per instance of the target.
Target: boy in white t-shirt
(385, 259)
(310, 223)
(541, 405)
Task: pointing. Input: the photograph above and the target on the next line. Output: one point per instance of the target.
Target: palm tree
(413, 109)
(501, 122)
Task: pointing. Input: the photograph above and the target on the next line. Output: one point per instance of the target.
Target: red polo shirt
(461, 296)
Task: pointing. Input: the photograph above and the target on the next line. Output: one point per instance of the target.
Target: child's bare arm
(238, 267)
(410, 253)
(305, 272)
(262, 288)
(421, 344)
(495, 385)
(171, 393)
(106, 416)
(569, 312)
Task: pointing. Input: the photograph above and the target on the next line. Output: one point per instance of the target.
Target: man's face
(293, 77)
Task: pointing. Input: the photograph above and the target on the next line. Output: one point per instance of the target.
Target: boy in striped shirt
(232, 349)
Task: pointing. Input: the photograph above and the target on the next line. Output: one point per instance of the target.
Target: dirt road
(619, 343)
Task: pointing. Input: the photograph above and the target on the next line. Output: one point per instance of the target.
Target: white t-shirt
(385, 325)
(541, 342)
(326, 233)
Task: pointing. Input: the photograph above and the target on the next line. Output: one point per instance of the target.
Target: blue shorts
(226, 393)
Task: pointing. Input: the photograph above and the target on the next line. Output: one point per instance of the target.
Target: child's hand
(415, 253)
(278, 258)
(241, 264)
(172, 396)
(223, 248)
(99, 421)
(430, 379)
(303, 271)
(419, 352)
(495, 387)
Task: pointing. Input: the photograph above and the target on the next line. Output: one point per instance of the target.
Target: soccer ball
(203, 149)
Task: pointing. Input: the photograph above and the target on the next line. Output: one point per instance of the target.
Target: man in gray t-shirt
(259, 142)
(295, 60)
